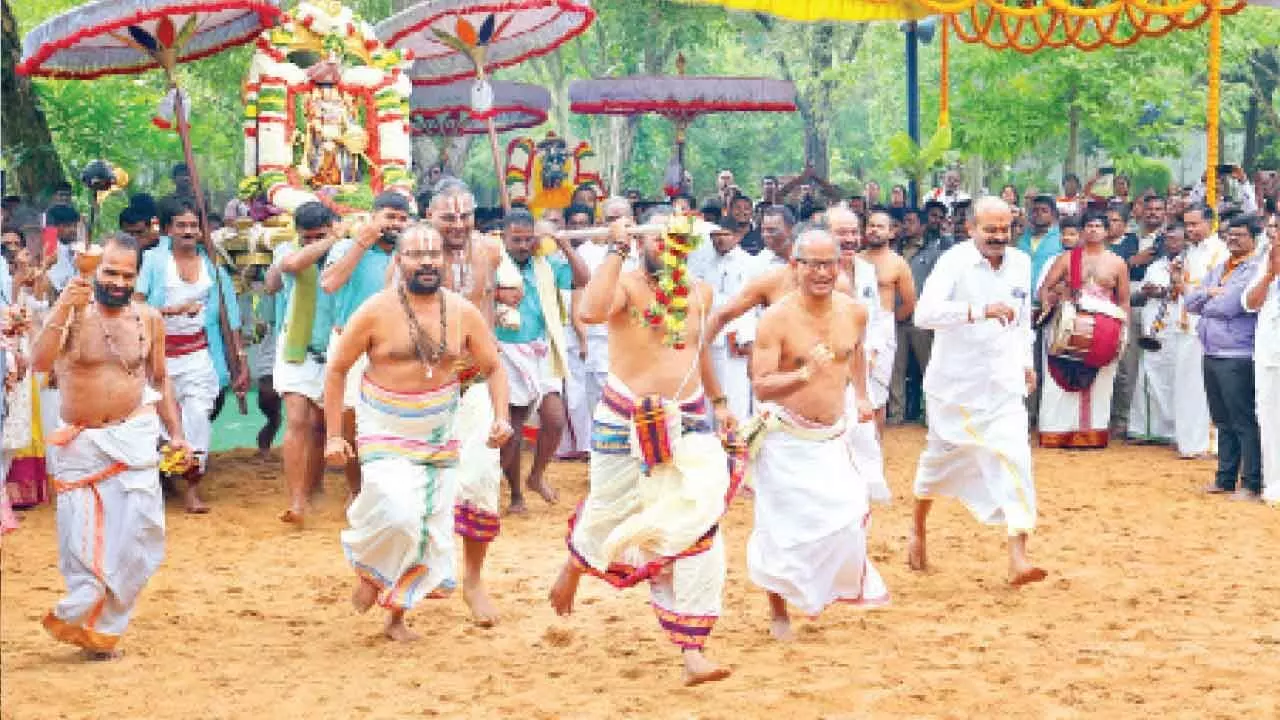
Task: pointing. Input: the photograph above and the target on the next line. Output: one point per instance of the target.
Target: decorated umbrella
(446, 112)
(680, 99)
(113, 37)
(455, 40)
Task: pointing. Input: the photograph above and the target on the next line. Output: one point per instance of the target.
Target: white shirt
(866, 290)
(1200, 259)
(6, 283)
(976, 363)
(64, 269)
(593, 255)
(727, 275)
(1266, 339)
(1158, 275)
(948, 199)
(178, 291)
(766, 261)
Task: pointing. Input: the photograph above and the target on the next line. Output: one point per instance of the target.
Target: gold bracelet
(718, 401)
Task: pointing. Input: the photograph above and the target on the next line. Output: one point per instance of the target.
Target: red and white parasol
(454, 40)
(681, 99)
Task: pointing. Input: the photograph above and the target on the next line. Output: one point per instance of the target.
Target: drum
(1090, 332)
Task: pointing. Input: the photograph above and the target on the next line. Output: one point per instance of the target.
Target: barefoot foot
(1025, 575)
(517, 507)
(699, 669)
(566, 587)
(195, 505)
(363, 597)
(396, 629)
(916, 557)
(548, 493)
(483, 613)
(292, 516)
(780, 629)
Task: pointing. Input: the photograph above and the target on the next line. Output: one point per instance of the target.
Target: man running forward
(977, 301)
(897, 297)
(108, 352)
(414, 335)
(809, 544)
(472, 264)
(659, 477)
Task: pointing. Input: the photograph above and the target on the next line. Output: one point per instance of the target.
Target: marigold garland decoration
(669, 310)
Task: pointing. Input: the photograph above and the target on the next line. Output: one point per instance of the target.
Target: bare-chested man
(415, 335)
(472, 263)
(897, 297)
(1075, 403)
(667, 533)
(809, 546)
(108, 352)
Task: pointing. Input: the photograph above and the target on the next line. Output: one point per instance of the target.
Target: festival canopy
(132, 36)
(445, 110)
(681, 99)
(450, 38)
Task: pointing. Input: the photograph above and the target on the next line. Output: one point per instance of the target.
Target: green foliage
(917, 162)
(1145, 174)
(1008, 110)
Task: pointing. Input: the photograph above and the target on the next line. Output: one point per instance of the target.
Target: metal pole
(913, 101)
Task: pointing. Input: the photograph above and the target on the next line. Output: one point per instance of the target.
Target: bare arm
(308, 255)
(1256, 294)
(906, 286)
(273, 281)
(858, 360)
(158, 373)
(604, 296)
(706, 366)
(1057, 273)
(579, 329)
(353, 341)
(1122, 287)
(337, 274)
(483, 349)
(768, 380)
(53, 336)
(581, 273)
(754, 293)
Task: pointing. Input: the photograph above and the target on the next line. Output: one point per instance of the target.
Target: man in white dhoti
(1075, 402)
(659, 478)
(103, 459)
(477, 268)
(978, 303)
(1263, 297)
(897, 293)
(400, 539)
(177, 278)
(809, 545)
(728, 272)
(1204, 251)
(587, 346)
(1151, 411)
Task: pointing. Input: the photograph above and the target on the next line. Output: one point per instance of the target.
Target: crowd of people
(687, 351)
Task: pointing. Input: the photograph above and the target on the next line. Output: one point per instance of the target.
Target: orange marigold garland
(670, 307)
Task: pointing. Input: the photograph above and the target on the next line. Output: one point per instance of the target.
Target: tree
(29, 150)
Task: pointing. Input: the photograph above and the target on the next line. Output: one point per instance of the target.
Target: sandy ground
(1161, 603)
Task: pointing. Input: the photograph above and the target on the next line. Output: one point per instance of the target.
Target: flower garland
(669, 310)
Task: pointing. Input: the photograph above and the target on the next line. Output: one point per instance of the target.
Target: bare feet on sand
(698, 669)
(566, 587)
(195, 505)
(397, 630)
(364, 596)
(292, 516)
(916, 557)
(517, 507)
(780, 629)
(483, 613)
(544, 490)
(1022, 575)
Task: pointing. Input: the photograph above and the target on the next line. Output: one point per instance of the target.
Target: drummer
(1075, 405)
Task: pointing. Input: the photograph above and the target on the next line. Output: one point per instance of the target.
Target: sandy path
(1161, 603)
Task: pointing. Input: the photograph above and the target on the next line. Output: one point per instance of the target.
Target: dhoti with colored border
(401, 524)
(658, 522)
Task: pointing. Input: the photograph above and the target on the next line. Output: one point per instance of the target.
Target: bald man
(978, 303)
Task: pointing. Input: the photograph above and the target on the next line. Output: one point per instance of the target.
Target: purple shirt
(1226, 330)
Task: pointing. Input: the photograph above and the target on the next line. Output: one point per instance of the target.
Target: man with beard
(1042, 242)
(472, 264)
(65, 223)
(776, 225)
(535, 354)
(1075, 405)
(109, 355)
(177, 279)
(897, 299)
(1204, 251)
(741, 211)
(659, 478)
(305, 323)
(355, 270)
(978, 303)
(415, 335)
(808, 546)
